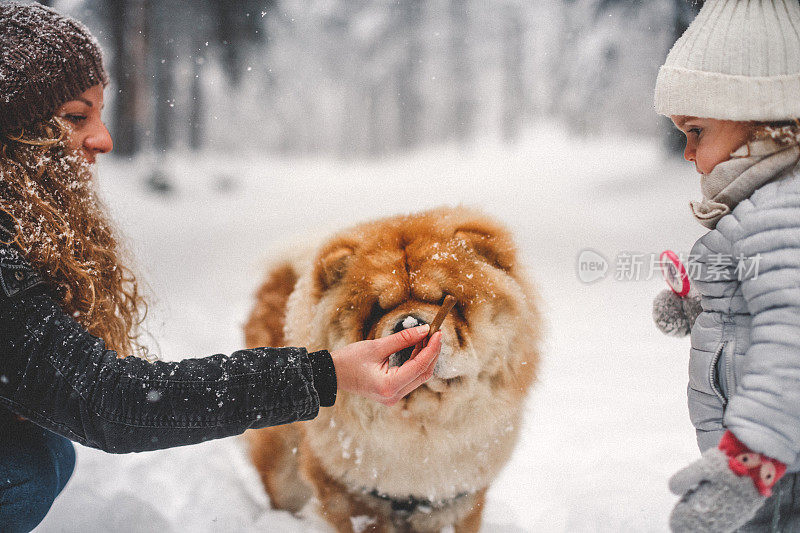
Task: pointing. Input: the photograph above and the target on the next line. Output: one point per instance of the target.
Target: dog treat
(447, 305)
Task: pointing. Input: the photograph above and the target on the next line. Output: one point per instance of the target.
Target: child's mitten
(675, 315)
(722, 490)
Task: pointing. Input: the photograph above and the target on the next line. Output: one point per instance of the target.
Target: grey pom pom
(692, 307)
(674, 315)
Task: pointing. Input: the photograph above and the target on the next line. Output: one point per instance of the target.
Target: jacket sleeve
(764, 412)
(53, 372)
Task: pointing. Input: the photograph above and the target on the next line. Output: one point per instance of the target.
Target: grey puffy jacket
(744, 370)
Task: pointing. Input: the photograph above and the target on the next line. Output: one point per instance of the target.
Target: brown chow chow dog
(426, 462)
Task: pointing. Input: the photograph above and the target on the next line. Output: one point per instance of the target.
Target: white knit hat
(738, 60)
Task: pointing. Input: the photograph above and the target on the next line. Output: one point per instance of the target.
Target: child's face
(710, 141)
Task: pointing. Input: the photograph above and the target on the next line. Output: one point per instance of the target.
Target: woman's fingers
(422, 378)
(408, 389)
(361, 367)
(420, 366)
(382, 348)
(417, 348)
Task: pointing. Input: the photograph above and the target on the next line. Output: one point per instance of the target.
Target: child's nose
(689, 152)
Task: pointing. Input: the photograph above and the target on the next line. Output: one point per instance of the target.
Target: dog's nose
(408, 321)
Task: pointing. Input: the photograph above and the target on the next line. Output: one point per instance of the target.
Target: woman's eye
(75, 118)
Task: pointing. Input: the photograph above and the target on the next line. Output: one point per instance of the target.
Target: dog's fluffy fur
(437, 450)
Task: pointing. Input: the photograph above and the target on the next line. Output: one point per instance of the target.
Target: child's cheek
(707, 160)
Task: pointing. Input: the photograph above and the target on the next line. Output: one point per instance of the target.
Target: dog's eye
(375, 314)
(458, 312)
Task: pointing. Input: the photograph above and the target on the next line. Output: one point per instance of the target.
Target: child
(731, 83)
(63, 289)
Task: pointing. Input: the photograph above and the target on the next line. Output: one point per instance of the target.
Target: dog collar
(410, 504)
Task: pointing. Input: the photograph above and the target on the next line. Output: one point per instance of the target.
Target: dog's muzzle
(406, 322)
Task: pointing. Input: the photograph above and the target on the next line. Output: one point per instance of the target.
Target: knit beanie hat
(46, 59)
(738, 60)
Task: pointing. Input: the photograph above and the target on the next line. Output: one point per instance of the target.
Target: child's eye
(695, 131)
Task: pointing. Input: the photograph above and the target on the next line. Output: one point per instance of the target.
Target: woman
(63, 288)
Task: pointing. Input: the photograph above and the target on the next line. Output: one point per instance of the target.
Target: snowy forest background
(367, 78)
(243, 127)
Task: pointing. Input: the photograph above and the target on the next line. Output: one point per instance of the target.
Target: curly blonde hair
(784, 133)
(63, 230)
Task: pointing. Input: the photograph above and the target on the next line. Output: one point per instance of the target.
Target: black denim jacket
(54, 373)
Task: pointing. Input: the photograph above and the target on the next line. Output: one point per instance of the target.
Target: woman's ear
(491, 242)
(331, 265)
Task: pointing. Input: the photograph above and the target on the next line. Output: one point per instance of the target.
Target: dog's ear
(331, 264)
(491, 242)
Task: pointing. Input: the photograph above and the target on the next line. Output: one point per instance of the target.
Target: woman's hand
(363, 367)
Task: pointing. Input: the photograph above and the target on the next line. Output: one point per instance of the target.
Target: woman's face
(710, 141)
(87, 135)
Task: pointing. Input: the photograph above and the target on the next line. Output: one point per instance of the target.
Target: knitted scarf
(734, 180)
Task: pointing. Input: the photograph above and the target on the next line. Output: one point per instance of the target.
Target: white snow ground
(607, 422)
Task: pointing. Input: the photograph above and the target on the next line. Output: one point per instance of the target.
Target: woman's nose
(99, 140)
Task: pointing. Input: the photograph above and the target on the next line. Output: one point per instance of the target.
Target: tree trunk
(409, 99)
(196, 132)
(165, 65)
(129, 30)
(463, 98)
(513, 83)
